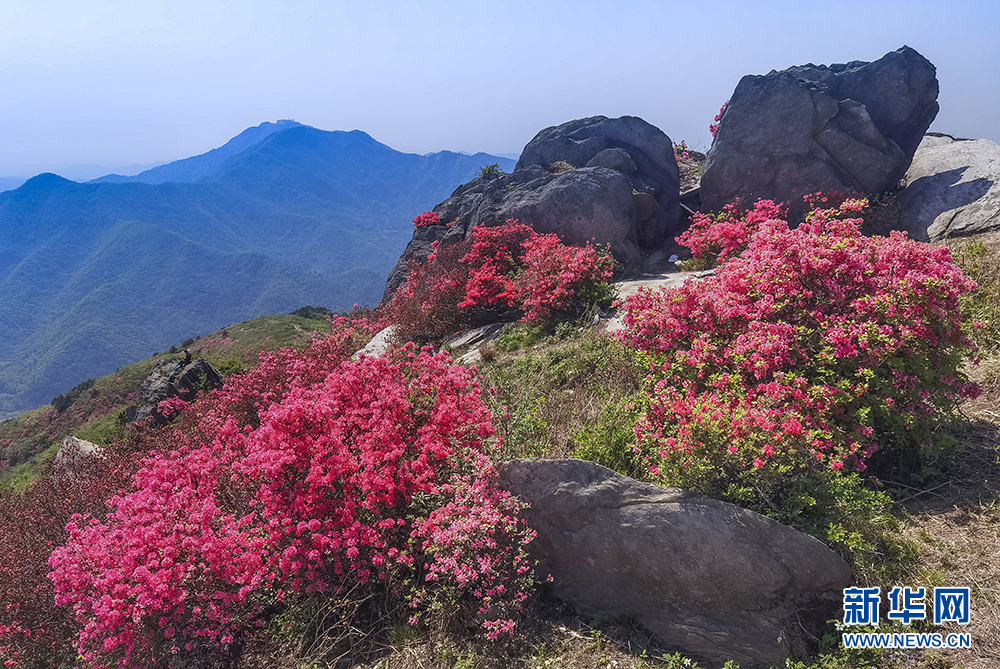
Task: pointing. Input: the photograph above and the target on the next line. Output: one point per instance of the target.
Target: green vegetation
(490, 170)
(982, 307)
(101, 274)
(94, 410)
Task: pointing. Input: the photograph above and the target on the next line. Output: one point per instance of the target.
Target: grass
(30, 440)
(551, 394)
(566, 393)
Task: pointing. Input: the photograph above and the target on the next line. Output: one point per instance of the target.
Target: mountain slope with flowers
(96, 275)
(373, 478)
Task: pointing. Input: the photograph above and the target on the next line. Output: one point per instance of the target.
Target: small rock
(379, 345)
(73, 452)
(474, 336)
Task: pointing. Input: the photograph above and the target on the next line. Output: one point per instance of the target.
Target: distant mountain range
(100, 274)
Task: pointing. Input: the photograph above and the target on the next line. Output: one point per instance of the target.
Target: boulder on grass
(951, 188)
(714, 579)
(73, 454)
(851, 128)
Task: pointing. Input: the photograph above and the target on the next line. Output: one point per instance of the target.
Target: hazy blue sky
(116, 83)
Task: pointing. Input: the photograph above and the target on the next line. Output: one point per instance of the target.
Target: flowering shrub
(426, 306)
(475, 542)
(355, 472)
(425, 219)
(714, 127)
(494, 258)
(814, 348)
(171, 406)
(715, 239)
(681, 151)
(33, 632)
(507, 267)
(555, 274)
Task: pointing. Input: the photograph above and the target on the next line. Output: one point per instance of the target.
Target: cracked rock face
(172, 379)
(717, 580)
(951, 188)
(622, 191)
(852, 127)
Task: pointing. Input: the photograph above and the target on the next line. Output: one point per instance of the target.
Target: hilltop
(97, 275)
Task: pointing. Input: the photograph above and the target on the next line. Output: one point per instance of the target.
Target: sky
(112, 84)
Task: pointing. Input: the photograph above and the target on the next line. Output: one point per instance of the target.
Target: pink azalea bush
(714, 239)
(493, 259)
(171, 406)
(34, 632)
(814, 348)
(310, 473)
(507, 267)
(714, 127)
(425, 219)
(554, 275)
(426, 306)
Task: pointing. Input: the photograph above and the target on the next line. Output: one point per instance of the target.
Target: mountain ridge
(187, 170)
(301, 216)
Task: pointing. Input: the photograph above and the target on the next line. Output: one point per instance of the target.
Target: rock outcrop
(608, 181)
(717, 580)
(378, 345)
(852, 127)
(73, 454)
(630, 145)
(951, 188)
(172, 379)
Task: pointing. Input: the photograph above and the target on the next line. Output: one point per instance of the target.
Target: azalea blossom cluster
(714, 239)
(714, 127)
(34, 632)
(505, 267)
(815, 345)
(681, 151)
(310, 473)
(425, 219)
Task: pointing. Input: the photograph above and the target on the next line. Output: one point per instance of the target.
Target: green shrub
(490, 170)
(104, 431)
(229, 365)
(981, 307)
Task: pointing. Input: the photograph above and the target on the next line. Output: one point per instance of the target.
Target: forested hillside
(97, 275)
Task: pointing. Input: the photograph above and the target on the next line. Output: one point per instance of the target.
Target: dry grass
(957, 522)
(552, 638)
(547, 393)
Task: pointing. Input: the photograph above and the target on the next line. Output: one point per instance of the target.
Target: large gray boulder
(712, 578)
(605, 142)
(591, 204)
(622, 191)
(851, 127)
(951, 188)
(171, 378)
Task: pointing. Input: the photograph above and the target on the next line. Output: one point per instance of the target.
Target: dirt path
(652, 281)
